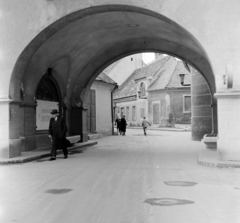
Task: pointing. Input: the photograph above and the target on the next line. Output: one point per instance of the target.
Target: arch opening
(82, 44)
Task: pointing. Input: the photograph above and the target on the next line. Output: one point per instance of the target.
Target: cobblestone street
(122, 179)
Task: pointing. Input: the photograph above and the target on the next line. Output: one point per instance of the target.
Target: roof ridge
(105, 78)
(164, 59)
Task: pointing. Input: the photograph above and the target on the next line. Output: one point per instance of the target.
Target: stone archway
(93, 38)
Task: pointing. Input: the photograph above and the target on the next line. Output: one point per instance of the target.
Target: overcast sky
(148, 57)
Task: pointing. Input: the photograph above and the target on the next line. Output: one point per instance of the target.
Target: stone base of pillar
(43, 140)
(200, 127)
(228, 149)
(14, 148)
(228, 144)
(84, 137)
(4, 148)
(28, 143)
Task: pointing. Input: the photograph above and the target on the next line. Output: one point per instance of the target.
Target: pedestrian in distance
(145, 124)
(57, 132)
(123, 125)
(118, 125)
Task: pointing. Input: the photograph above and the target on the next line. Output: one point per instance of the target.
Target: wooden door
(91, 113)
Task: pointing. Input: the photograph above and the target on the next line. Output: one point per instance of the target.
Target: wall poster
(43, 113)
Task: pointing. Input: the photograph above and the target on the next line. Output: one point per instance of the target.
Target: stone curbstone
(29, 159)
(218, 165)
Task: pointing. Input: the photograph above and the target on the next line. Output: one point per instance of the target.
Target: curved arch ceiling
(93, 38)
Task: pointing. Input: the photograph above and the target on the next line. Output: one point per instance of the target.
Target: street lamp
(182, 80)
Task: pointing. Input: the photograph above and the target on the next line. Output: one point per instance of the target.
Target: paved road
(123, 179)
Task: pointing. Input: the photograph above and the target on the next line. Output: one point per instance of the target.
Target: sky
(148, 57)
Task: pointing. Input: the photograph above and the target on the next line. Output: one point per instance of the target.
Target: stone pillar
(228, 99)
(10, 143)
(79, 123)
(202, 110)
(228, 144)
(28, 126)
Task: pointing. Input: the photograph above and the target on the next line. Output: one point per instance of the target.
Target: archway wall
(77, 38)
(23, 63)
(209, 21)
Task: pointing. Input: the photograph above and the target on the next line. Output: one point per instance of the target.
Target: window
(186, 103)
(47, 90)
(142, 90)
(134, 113)
(127, 113)
(142, 112)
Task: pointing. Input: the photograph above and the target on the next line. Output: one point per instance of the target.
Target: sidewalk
(43, 153)
(209, 158)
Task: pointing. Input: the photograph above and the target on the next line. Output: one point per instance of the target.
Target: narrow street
(123, 179)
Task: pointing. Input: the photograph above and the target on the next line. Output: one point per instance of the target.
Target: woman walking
(118, 124)
(123, 125)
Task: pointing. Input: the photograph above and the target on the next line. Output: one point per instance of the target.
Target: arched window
(142, 90)
(48, 97)
(47, 90)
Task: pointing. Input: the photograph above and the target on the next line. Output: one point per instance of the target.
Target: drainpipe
(115, 87)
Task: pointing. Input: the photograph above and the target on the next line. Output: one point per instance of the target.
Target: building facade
(100, 114)
(155, 92)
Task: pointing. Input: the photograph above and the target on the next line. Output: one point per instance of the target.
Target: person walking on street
(123, 125)
(118, 124)
(57, 132)
(145, 124)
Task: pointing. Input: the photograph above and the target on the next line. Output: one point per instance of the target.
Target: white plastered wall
(103, 107)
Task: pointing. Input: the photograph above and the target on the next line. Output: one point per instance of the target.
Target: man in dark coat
(123, 125)
(57, 133)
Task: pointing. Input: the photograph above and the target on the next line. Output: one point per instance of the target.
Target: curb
(162, 129)
(29, 159)
(218, 165)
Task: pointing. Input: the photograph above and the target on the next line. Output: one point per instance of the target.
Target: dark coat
(118, 123)
(57, 129)
(123, 124)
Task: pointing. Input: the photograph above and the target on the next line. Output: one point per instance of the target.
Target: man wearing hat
(57, 133)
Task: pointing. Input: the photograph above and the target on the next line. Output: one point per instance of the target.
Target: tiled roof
(175, 79)
(162, 79)
(164, 72)
(128, 88)
(152, 68)
(106, 79)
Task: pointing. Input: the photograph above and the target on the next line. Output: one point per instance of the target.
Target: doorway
(91, 113)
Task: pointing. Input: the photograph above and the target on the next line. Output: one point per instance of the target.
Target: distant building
(100, 113)
(155, 91)
(121, 69)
